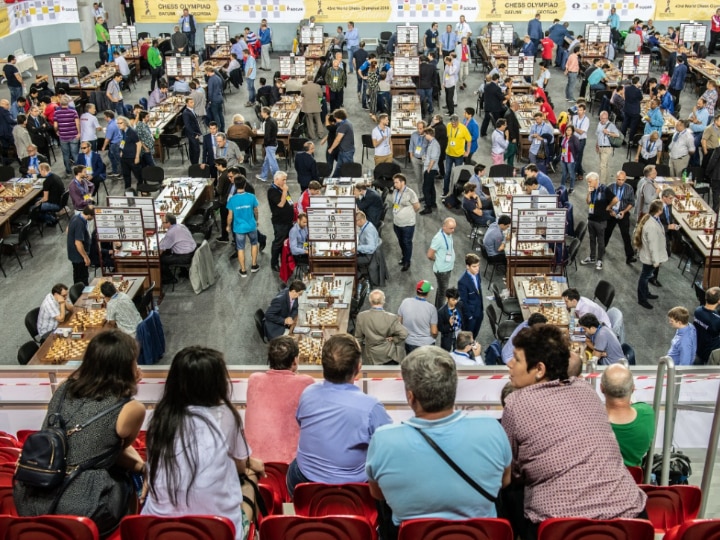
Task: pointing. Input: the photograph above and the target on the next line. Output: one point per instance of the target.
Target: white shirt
(499, 143)
(462, 30)
(682, 144)
(462, 359)
(88, 127)
(382, 149)
(586, 305)
(581, 123)
(122, 65)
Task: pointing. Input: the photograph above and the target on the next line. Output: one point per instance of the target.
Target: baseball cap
(423, 286)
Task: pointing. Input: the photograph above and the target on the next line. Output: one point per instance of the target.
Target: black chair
(488, 263)
(662, 170)
(31, 320)
(350, 170)
(581, 230)
(698, 176)
(169, 141)
(633, 169)
(245, 146)
(384, 38)
(26, 352)
(505, 330)
(7, 172)
(633, 144)
(690, 256)
(598, 98)
(282, 152)
(502, 171)
(476, 232)
(20, 240)
(196, 171)
(323, 170)
(383, 175)
(152, 178)
(143, 35)
(605, 293)
(573, 249)
(297, 144)
(75, 291)
(357, 303)
(493, 318)
(699, 293)
(204, 221)
(367, 144)
(173, 268)
(510, 307)
(146, 302)
(260, 324)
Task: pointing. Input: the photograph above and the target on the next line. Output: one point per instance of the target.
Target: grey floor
(222, 317)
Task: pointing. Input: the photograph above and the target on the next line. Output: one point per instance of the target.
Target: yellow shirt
(457, 137)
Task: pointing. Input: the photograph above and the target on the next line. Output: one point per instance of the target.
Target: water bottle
(684, 177)
(687, 266)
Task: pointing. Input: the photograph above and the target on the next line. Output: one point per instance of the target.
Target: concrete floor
(222, 317)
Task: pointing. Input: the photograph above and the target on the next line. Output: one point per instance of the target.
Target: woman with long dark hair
(105, 381)
(196, 448)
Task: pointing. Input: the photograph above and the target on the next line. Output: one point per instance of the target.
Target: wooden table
(501, 191)
(88, 303)
(14, 199)
(704, 68)
(285, 112)
(406, 113)
(541, 260)
(498, 51)
(318, 51)
(95, 80)
(402, 86)
(667, 47)
(162, 116)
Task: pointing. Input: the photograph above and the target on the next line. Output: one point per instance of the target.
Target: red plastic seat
(22, 434)
(275, 480)
(670, 506)
(316, 528)
(8, 441)
(7, 472)
(697, 529)
(447, 529)
(7, 502)
(47, 528)
(595, 529)
(351, 499)
(268, 497)
(9, 454)
(177, 528)
(637, 473)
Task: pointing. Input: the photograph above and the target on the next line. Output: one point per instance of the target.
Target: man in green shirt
(633, 424)
(103, 39)
(155, 62)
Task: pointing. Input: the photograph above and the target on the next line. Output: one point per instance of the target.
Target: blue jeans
(270, 165)
(643, 289)
(114, 157)
(351, 53)
(449, 163)
(47, 212)
(251, 90)
(103, 51)
(359, 83)
(570, 88)
(216, 109)
(343, 157)
(426, 97)
(405, 239)
(294, 477)
(70, 150)
(120, 108)
(15, 93)
(568, 173)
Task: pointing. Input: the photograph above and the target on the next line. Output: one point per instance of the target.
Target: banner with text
(4, 21)
(40, 13)
(685, 10)
(565, 10)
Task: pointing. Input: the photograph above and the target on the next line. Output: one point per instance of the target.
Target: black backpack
(680, 469)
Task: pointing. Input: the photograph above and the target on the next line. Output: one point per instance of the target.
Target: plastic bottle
(684, 177)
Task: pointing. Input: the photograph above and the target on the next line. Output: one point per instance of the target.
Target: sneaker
(222, 240)
(588, 260)
(260, 178)
(571, 101)
(243, 273)
(598, 265)
(254, 268)
(248, 104)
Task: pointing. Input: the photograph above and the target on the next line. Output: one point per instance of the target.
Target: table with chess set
(542, 293)
(14, 199)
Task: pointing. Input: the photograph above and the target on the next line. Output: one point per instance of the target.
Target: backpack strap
(98, 416)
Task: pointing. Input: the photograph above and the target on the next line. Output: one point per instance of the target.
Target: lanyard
(649, 148)
(81, 186)
(593, 196)
(398, 196)
(667, 214)
(362, 229)
(447, 246)
(619, 193)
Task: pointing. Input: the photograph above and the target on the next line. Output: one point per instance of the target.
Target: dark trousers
(443, 280)
(169, 259)
(578, 160)
(624, 226)
(405, 239)
(103, 51)
(714, 39)
(336, 99)
(428, 188)
(450, 99)
(216, 110)
(129, 166)
(223, 221)
(629, 126)
(294, 477)
(649, 161)
(450, 162)
(643, 288)
(426, 100)
(155, 76)
(596, 233)
(281, 231)
(473, 324)
(81, 273)
(193, 150)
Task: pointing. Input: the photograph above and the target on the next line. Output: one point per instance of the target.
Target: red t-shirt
(549, 113)
(547, 50)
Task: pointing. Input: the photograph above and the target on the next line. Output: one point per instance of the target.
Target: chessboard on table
(321, 317)
(322, 288)
(555, 314)
(122, 286)
(694, 204)
(94, 318)
(64, 349)
(699, 222)
(542, 287)
(706, 240)
(310, 350)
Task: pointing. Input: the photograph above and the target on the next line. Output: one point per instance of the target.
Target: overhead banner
(565, 10)
(4, 21)
(684, 10)
(41, 12)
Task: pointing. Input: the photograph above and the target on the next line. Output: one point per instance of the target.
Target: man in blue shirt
(508, 349)
(448, 41)
(557, 32)
(707, 325)
(265, 35)
(684, 344)
(474, 129)
(215, 97)
(242, 223)
(113, 138)
(431, 38)
(495, 238)
(298, 240)
(613, 20)
(677, 82)
(78, 244)
(352, 41)
(368, 238)
(250, 75)
(337, 420)
(666, 100)
(532, 171)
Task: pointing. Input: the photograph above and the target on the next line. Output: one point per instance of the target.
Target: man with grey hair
(442, 253)
(67, 125)
(467, 350)
(598, 200)
(228, 150)
(632, 423)
(476, 444)
(605, 129)
(380, 333)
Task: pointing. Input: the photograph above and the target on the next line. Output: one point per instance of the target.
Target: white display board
(124, 36)
(597, 33)
(636, 64)
(312, 35)
(119, 224)
(693, 33)
(406, 66)
(145, 204)
(502, 33)
(408, 34)
(292, 66)
(521, 65)
(63, 66)
(217, 34)
(179, 66)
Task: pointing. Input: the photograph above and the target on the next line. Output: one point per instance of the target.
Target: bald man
(442, 253)
(632, 423)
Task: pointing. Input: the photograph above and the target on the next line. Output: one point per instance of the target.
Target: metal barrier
(663, 363)
(710, 457)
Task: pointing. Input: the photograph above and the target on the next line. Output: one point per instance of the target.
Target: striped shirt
(66, 120)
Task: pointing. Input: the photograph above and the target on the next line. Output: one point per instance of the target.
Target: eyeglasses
(84, 147)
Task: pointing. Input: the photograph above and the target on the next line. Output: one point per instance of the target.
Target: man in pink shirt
(571, 70)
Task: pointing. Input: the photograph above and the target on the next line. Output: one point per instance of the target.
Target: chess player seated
(299, 240)
(30, 164)
(55, 309)
(467, 350)
(177, 247)
(601, 340)
(495, 239)
(368, 239)
(283, 310)
(181, 86)
(472, 206)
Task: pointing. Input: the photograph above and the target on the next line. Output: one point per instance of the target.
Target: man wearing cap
(470, 288)
(419, 317)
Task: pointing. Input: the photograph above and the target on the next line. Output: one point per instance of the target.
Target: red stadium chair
(313, 528)
(9, 455)
(268, 497)
(698, 529)
(23, 434)
(7, 502)
(670, 506)
(177, 528)
(637, 473)
(447, 529)
(47, 528)
(275, 480)
(597, 529)
(8, 441)
(7, 472)
(352, 499)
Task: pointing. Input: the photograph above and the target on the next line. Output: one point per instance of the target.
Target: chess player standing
(442, 253)
(380, 333)
(470, 288)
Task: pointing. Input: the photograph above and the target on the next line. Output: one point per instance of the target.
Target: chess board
(542, 287)
(706, 240)
(64, 349)
(530, 248)
(507, 189)
(555, 315)
(698, 222)
(422, 9)
(6, 205)
(122, 286)
(694, 204)
(338, 190)
(88, 319)
(504, 204)
(325, 289)
(310, 350)
(321, 317)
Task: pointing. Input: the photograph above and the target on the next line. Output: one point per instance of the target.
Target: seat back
(146, 303)
(318, 528)
(697, 529)
(446, 529)
(505, 330)
(196, 171)
(75, 291)
(259, 324)
(633, 169)
(7, 502)
(274, 478)
(591, 529)
(177, 528)
(367, 140)
(26, 352)
(323, 170)
(502, 170)
(662, 170)
(48, 527)
(31, 320)
(493, 318)
(7, 172)
(670, 506)
(351, 170)
(352, 499)
(605, 293)
(580, 230)
(153, 174)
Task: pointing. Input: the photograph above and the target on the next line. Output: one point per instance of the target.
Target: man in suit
(305, 165)
(192, 131)
(283, 310)
(631, 109)
(470, 289)
(380, 333)
(93, 163)
(513, 128)
(493, 98)
(30, 163)
(370, 202)
(670, 224)
(208, 149)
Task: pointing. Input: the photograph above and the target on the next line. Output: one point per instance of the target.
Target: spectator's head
(109, 366)
(448, 226)
(712, 296)
(107, 289)
(472, 263)
(649, 171)
(377, 298)
(617, 384)
(341, 358)
(592, 179)
(283, 353)
(452, 295)
(541, 354)
(678, 317)
(240, 182)
(423, 288)
(399, 181)
(430, 379)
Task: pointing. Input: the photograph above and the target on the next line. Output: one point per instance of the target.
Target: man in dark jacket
(369, 202)
(425, 86)
(215, 96)
(493, 98)
(305, 165)
(270, 143)
(192, 131)
(6, 126)
(283, 310)
(631, 110)
(513, 128)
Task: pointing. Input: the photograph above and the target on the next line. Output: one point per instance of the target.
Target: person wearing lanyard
(405, 206)
(442, 253)
(709, 142)
(80, 189)
(29, 165)
(458, 148)
(604, 129)
(470, 289)
(682, 146)
(93, 164)
(187, 25)
(192, 131)
(463, 52)
(367, 238)
(298, 236)
(597, 200)
(622, 202)
(467, 351)
(670, 226)
(430, 170)
(449, 319)
(496, 238)
(227, 150)
(581, 123)
(381, 140)
(448, 41)
(282, 215)
(648, 148)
